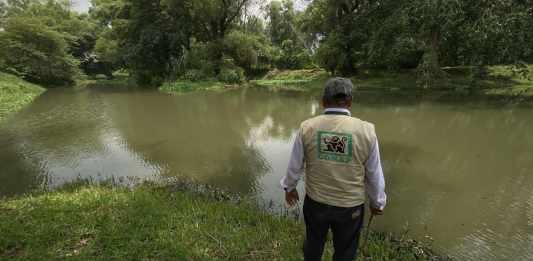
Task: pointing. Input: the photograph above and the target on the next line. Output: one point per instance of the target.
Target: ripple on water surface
(460, 173)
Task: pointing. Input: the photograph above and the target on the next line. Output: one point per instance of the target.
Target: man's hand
(291, 197)
(376, 211)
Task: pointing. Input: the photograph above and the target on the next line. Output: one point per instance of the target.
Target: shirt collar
(342, 111)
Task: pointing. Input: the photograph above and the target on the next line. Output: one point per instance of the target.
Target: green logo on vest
(334, 146)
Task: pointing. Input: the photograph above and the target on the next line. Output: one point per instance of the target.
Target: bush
(187, 86)
(329, 56)
(147, 78)
(251, 52)
(197, 61)
(194, 75)
(177, 87)
(35, 52)
(293, 55)
(231, 76)
(396, 53)
(107, 48)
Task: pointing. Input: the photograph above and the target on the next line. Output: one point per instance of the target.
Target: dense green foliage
(285, 36)
(99, 223)
(503, 81)
(151, 47)
(41, 41)
(187, 86)
(234, 40)
(38, 54)
(15, 94)
(418, 33)
(293, 80)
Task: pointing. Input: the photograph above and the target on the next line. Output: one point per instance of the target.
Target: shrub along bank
(15, 93)
(187, 86)
(293, 80)
(504, 81)
(196, 80)
(160, 223)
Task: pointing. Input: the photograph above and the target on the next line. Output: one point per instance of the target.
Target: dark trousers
(345, 223)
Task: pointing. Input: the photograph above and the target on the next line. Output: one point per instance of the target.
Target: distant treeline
(160, 40)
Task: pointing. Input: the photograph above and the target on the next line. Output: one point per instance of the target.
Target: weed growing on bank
(15, 93)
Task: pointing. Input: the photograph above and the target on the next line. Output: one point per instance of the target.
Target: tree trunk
(218, 55)
(432, 57)
(429, 69)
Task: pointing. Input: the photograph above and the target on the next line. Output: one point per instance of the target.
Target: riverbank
(501, 81)
(123, 80)
(15, 93)
(120, 79)
(159, 223)
(293, 80)
(188, 86)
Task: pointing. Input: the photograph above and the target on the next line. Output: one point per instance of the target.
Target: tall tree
(282, 19)
(284, 34)
(498, 32)
(431, 21)
(153, 35)
(63, 33)
(106, 11)
(35, 52)
(341, 25)
(213, 20)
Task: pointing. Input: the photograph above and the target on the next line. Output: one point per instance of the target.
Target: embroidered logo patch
(334, 146)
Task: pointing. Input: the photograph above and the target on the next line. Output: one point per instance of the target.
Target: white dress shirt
(374, 179)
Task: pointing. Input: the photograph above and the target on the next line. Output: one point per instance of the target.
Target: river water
(460, 173)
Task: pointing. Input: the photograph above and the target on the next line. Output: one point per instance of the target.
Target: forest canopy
(45, 42)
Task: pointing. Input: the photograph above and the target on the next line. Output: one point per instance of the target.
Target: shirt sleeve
(374, 180)
(296, 165)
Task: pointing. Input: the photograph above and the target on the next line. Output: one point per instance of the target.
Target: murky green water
(461, 173)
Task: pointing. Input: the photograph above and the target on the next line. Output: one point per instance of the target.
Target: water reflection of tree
(195, 136)
(206, 136)
(19, 173)
(285, 110)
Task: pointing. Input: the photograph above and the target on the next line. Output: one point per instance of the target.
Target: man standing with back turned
(342, 164)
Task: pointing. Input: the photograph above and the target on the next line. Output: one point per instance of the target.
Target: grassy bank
(120, 80)
(276, 80)
(125, 81)
(15, 93)
(165, 223)
(187, 86)
(501, 81)
(293, 80)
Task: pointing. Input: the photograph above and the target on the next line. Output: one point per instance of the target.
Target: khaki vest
(336, 148)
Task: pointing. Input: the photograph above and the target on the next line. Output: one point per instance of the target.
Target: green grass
(501, 81)
(505, 82)
(293, 80)
(15, 93)
(120, 80)
(158, 223)
(188, 86)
